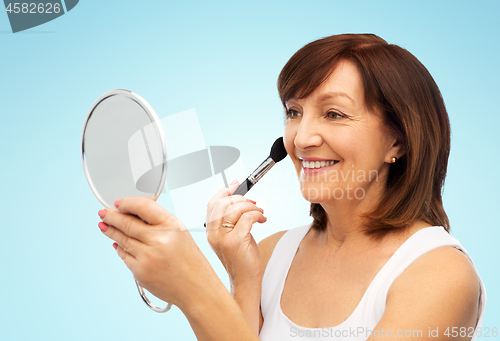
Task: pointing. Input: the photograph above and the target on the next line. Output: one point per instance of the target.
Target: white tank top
(277, 326)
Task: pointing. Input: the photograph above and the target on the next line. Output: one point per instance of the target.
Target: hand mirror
(124, 152)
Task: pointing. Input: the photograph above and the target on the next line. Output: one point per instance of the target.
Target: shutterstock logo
(25, 15)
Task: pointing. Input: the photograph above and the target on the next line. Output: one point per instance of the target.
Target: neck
(345, 222)
(345, 228)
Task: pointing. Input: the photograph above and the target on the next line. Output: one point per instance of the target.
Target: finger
(128, 259)
(129, 244)
(145, 208)
(246, 221)
(128, 224)
(219, 210)
(225, 191)
(235, 211)
(222, 193)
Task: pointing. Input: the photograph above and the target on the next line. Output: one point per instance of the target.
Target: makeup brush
(278, 153)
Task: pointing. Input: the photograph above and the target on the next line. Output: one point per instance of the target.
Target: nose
(308, 133)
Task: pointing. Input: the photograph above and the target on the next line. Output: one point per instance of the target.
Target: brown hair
(403, 91)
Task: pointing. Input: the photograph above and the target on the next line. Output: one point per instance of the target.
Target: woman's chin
(320, 194)
(315, 198)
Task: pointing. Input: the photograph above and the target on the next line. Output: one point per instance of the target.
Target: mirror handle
(148, 302)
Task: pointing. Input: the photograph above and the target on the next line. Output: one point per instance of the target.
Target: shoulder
(266, 247)
(445, 268)
(440, 289)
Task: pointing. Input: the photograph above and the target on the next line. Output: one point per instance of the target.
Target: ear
(396, 150)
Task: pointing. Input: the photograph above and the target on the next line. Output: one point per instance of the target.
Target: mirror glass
(123, 148)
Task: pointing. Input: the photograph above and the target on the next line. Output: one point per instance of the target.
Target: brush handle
(244, 188)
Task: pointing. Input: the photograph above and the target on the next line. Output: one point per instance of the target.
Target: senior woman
(369, 137)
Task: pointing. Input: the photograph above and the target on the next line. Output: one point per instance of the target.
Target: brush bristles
(278, 151)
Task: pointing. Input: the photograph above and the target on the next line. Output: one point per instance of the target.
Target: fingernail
(253, 202)
(265, 218)
(102, 213)
(117, 203)
(115, 245)
(260, 209)
(103, 226)
(234, 182)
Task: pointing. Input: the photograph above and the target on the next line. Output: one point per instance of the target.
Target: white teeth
(318, 164)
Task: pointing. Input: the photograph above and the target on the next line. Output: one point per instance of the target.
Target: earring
(394, 159)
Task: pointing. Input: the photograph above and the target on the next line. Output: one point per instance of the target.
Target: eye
(290, 113)
(334, 115)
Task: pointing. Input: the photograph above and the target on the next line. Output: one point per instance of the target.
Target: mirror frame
(154, 119)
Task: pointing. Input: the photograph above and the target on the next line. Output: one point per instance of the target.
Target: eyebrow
(335, 94)
(329, 95)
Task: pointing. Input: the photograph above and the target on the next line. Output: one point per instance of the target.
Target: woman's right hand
(235, 247)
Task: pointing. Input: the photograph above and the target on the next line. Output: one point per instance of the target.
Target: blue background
(60, 278)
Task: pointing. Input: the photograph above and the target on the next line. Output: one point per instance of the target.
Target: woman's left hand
(157, 247)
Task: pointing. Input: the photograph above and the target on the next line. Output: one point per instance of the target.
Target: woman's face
(332, 124)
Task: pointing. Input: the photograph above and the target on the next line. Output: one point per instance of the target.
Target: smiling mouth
(318, 164)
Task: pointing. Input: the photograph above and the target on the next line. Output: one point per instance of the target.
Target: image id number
(33, 8)
(469, 332)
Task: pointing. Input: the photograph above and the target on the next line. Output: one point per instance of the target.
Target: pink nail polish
(253, 202)
(102, 213)
(103, 226)
(261, 209)
(115, 245)
(117, 203)
(233, 183)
